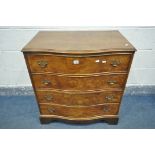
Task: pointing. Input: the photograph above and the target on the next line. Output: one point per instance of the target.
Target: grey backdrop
(13, 71)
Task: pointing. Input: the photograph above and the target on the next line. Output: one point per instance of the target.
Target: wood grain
(78, 42)
(110, 119)
(87, 64)
(74, 98)
(96, 82)
(79, 111)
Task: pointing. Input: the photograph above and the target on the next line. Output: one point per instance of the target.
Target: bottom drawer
(79, 111)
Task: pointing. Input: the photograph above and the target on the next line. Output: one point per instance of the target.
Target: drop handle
(51, 110)
(48, 97)
(46, 82)
(106, 108)
(115, 63)
(112, 82)
(109, 98)
(42, 63)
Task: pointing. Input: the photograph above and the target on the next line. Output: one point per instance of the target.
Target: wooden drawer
(79, 111)
(95, 82)
(79, 98)
(79, 65)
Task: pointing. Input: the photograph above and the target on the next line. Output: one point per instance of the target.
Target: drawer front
(81, 98)
(77, 112)
(62, 82)
(79, 65)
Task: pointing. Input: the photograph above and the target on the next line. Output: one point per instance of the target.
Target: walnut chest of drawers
(79, 76)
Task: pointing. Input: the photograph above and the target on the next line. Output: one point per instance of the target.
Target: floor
(21, 112)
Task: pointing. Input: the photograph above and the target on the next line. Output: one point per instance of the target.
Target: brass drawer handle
(48, 97)
(115, 63)
(112, 82)
(51, 110)
(106, 108)
(46, 82)
(109, 98)
(42, 63)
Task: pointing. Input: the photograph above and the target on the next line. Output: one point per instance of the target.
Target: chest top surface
(76, 42)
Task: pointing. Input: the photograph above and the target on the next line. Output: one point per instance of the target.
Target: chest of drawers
(79, 76)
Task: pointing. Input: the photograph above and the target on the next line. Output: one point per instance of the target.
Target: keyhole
(75, 62)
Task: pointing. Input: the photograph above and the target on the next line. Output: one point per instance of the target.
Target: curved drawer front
(79, 65)
(81, 98)
(79, 83)
(77, 112)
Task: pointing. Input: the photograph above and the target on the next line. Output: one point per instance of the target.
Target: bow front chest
(79, 76)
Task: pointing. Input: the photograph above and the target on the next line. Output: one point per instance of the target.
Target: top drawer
(82, 64)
